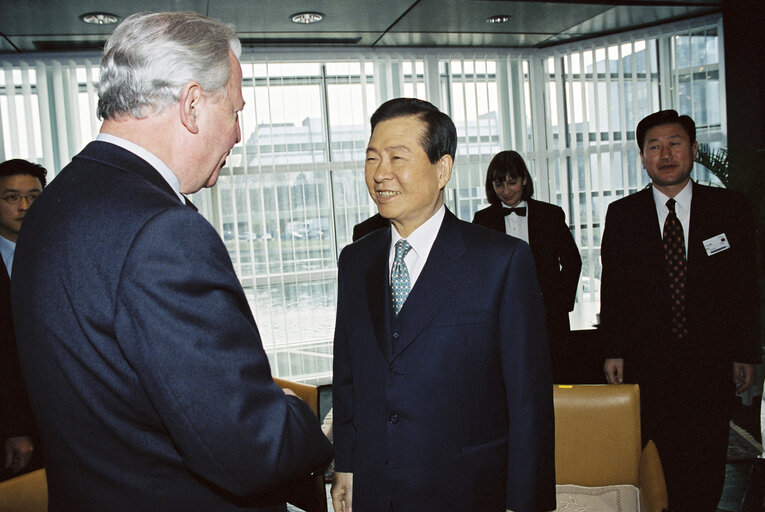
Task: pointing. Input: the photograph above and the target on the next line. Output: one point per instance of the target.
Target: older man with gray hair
(144, 364)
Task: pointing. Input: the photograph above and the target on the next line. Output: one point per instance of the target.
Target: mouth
(386, 194)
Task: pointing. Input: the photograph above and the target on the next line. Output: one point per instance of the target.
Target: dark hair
(440, 135)
(663, 117)
(504, 164)
(19, 166)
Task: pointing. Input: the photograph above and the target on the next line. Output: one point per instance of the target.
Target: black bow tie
(518, 211)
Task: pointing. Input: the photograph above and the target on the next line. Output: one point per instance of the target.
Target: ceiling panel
(50, 25)
(470, 16)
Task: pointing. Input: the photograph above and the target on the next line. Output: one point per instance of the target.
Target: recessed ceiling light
(499, 18)
(307, 17)
(99, 18)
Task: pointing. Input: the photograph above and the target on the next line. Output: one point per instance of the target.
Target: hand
(342, 492)
(614, 369)
(18, 452)
(742, 376)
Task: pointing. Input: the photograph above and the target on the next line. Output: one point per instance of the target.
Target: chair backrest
(310, 495)
(597, 434)
(25, 493)
(306, 392)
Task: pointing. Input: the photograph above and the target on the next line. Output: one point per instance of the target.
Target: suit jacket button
(393, 418)
(396, 335)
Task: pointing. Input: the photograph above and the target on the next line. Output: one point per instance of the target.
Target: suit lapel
(533, 221)
(647, 225)
(378, 294)
(698, 223)
(497, 217)
(435, 286)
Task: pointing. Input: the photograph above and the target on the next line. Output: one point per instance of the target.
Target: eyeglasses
(16, 198)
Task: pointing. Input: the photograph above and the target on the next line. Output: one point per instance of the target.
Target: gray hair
(150, 57)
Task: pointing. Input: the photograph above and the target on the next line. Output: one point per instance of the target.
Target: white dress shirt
(7, 249)
(682, 209)
(421, 240)
(515, 225)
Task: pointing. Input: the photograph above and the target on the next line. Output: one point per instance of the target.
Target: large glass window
(292, 190)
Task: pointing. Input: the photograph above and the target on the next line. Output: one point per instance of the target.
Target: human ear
(445, 165)
(190, 101)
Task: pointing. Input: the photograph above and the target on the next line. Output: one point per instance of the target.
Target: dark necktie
(521, 211)
(674, 256)
(399, 276)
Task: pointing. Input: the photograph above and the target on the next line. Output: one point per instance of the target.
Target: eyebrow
(38, 189)
(390, 148)
(673, 136)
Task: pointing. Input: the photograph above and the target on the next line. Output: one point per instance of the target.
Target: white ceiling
(50, 25)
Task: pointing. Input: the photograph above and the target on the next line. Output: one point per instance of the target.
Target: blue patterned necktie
(399, 276)
(674, 256)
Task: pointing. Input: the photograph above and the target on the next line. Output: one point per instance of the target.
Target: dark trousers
(686, 411)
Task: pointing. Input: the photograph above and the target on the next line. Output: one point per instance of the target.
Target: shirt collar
(521, 204)
(152, 159)
(422, 238)
(682, 199)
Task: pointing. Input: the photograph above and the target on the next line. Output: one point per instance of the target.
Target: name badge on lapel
(716, 244)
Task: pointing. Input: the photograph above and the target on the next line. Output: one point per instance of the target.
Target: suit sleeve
(528, 386)
(342, 385)
(745, 306)
(613, 305)
(570, 262)
(185, 326)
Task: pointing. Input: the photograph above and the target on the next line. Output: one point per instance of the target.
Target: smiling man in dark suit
(679, 308)
(442, 390)
(145, 368)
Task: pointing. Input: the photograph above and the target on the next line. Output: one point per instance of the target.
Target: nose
(665, 152)
(25, 199)
(382, 171)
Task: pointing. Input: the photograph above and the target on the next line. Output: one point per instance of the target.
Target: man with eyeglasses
(20, 184)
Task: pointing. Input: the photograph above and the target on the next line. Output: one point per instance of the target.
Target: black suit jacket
(143, 362)
(721, 290)
(555, 255)
(452, 410)
(373, 223)
(15, 413)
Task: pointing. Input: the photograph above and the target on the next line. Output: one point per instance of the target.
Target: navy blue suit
(144, 365)
(449, 406)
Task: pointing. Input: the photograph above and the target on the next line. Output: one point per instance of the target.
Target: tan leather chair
(25, 493)
(311, 495)
(597, 442)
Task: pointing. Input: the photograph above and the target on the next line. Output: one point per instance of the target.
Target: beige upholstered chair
(310, 496)
(25, 493)
(597, 442)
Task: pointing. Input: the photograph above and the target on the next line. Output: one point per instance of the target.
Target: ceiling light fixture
(307, 17)
(99, 18)
(498, 18)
